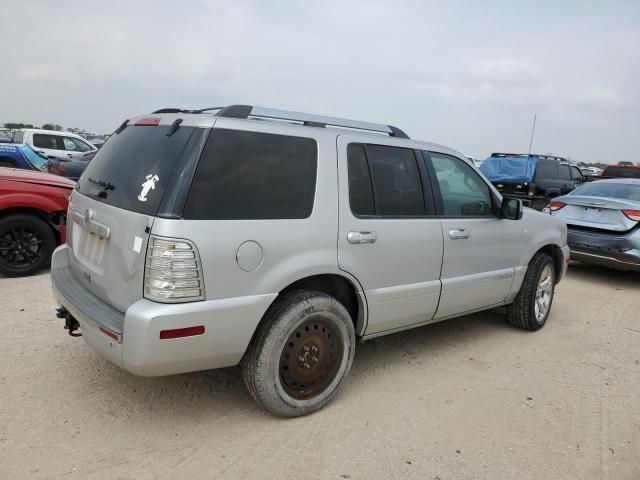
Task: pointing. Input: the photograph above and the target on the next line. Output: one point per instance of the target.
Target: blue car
(21, 156)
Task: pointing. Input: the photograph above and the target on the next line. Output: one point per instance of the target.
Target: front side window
(75, 145)
(43, 140)
(253, 176)
(462, 190)
(576, 175)
(384, 181)
(563, 172)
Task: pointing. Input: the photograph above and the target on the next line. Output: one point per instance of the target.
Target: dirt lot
(471, 398)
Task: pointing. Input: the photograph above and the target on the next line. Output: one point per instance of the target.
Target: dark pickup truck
(534, 179)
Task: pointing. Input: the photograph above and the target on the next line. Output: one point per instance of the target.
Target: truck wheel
(532, 305)
(300, 356)
(26, 244)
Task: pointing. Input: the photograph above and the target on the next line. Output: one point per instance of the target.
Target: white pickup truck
(52, 143)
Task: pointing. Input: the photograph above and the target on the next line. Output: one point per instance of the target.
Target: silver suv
(206, 238)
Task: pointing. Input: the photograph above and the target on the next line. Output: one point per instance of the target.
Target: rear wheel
(532, 305)
(301, 354)
(26, 244)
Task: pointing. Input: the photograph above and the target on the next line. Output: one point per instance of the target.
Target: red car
(33, 208)
(619, 171)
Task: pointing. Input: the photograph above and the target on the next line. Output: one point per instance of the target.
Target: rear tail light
(632, 214)
(58, 169)
(555, 206)
(173, 271)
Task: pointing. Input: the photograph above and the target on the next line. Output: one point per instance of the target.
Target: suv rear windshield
(622, 172)
(132, 170)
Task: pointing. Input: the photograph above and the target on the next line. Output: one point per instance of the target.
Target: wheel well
(8, 159)
(53, 219)
(338, 287)
(555, 253)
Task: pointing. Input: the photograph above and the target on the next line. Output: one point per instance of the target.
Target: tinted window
(136, 165)
(462, 190)
(42, 140)
(396, 181)
(622, 172)
(546, 169)
(563, 172)
(576, 175)
(249, 175)
(360, 188)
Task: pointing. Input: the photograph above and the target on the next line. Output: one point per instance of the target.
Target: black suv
(534, 179)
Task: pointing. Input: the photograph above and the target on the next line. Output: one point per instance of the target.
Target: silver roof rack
(250, 111)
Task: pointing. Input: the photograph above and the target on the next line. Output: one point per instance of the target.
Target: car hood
(39, 178)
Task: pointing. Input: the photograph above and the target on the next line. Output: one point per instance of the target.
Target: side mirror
(511, 209)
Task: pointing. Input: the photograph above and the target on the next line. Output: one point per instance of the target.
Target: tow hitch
(70, 323)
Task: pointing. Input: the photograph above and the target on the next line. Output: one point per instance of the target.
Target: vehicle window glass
(360, 188)
(622, 172)
(137, 165)
(608, 189)
(546, 169)
(42, 140)
(248, 175)
(576, 174)
(75, 145)
(397, 187)
(563, 172)
(462, 190)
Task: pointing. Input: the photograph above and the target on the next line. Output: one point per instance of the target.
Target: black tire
(26, 244)
(522, 312)
(282, 354)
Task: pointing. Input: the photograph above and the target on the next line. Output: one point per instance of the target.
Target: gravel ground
(471, 398)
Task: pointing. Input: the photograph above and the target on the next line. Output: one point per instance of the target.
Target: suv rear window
(132, 170)
(253, 176)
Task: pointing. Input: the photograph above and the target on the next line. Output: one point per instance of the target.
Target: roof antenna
(533, 129)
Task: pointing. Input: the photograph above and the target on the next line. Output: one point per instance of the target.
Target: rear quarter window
(252, 176)
(546, 169)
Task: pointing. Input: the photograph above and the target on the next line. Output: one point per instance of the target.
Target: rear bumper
(616, 251)
(229, 325)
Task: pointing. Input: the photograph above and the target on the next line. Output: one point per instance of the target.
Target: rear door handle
(362, 237)
(459, 233)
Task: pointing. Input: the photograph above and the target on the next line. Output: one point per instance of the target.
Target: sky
(467, 74)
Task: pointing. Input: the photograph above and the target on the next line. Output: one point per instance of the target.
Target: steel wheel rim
(311, 358)
(20, 247)
(544, 293)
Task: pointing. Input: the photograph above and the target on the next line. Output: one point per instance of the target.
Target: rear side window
(546, 169)
(249, 175)
(133, 169)
(564, 172)
(42, 140)
(384, 181)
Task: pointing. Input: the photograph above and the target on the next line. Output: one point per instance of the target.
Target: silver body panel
(409, 273)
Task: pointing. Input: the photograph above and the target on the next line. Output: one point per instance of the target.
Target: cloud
(599, 98)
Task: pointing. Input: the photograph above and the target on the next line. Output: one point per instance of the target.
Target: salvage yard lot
(467, 398)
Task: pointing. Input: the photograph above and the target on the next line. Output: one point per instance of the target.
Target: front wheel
(532, 305)
(26, 244)
(300, 355)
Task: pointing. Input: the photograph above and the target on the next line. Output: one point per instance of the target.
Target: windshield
(133, 169)
(623, 191)
(33, 158)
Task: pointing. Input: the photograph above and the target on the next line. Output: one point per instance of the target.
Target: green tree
(624, 162)
(52, 126)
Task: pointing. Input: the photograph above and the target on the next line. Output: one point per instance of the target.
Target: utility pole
(533, 129)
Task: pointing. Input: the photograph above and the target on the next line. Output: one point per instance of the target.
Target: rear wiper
(106, 186)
